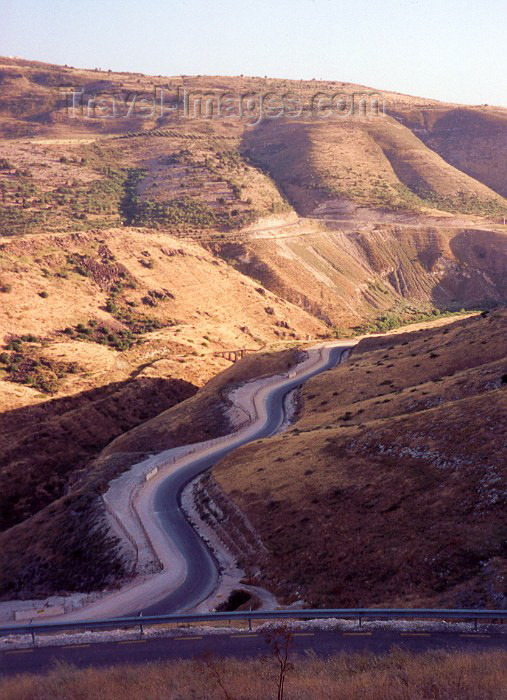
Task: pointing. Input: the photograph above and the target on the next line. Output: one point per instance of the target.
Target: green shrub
(30, 338)
(111, 306)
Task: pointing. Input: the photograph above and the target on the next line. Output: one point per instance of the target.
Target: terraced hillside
(169, 182)
(390, 488)
(413, 156)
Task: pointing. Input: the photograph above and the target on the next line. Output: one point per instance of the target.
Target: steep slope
(429, 176)
(390, 490)
(345, 276)
(52, 474)
(86, 309)
(473, 140)
(369, 161)
(44, 447)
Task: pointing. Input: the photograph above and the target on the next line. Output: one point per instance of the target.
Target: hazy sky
(446, 49)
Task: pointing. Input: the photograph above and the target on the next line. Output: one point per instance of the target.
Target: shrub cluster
(24, 366)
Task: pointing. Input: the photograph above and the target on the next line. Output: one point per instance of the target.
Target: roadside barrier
(307, 365)
(359, 614)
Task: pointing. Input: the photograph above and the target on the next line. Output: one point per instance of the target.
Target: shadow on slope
(47, 446)
(68, 545)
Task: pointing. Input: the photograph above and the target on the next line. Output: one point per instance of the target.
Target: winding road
(191, 575)
(201, 576)
(190, 572)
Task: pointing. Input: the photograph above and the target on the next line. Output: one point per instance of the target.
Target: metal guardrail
(359, 614)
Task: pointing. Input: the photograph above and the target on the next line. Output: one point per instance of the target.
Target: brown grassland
(441, 675)
(390, 488)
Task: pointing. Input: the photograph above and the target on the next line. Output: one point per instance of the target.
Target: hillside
(209, 178)
(139, 249)
(325, 168)
(83, 310)
(59, 456)
(367, 181)
(472, 140)
(390, 488)
(395, 271)
(45, 446)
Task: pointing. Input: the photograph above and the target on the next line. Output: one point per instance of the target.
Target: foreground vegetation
(396, 676)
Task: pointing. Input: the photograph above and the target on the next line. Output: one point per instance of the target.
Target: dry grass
(390, 489)
(397, 676)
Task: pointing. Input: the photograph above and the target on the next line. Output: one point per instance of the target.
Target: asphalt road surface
(202, 571)
(186, 646)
